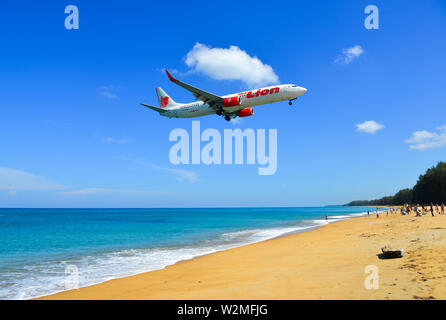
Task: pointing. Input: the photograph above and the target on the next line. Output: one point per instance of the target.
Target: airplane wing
(154, 108)
(207, 97)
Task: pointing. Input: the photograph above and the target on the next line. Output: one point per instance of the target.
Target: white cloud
(350, 54)
(179, 174)
(95, 191)
(13, 180)
(422, 140)
(369, 126)
(114, 140)
(236, 121)
(108, 92)
(230, 64)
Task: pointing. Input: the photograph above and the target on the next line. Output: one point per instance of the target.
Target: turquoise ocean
(40, 248)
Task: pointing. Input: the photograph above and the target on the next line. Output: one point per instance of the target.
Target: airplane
(230, 106)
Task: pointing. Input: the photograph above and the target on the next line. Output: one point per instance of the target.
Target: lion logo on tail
(164, 101)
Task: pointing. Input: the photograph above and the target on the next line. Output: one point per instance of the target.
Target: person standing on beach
(326, 218)
(418, 212)
(432, 209)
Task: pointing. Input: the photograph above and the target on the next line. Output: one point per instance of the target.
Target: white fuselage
(246, 99)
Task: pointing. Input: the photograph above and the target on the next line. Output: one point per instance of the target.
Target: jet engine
(245, 112)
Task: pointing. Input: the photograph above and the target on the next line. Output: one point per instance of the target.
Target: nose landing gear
(291, 101)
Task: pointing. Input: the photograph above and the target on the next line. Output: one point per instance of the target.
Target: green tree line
(430, 188)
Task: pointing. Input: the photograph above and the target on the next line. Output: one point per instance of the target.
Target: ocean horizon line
(210, 207)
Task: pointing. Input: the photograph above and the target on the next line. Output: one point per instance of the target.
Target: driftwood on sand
(389, 252)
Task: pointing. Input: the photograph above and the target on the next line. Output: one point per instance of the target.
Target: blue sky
(73, 133)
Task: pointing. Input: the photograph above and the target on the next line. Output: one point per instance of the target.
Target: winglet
(170, 77)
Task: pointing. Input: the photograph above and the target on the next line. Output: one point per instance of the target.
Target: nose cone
(302, 90)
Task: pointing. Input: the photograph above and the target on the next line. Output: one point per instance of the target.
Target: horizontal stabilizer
(160, 110)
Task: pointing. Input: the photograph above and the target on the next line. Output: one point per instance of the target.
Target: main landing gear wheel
(219, 112)
(227, 117)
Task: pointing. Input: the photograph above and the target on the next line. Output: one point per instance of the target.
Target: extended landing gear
(291, 101)
(221, 112)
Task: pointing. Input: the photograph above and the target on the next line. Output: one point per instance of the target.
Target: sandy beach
(325, 263)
